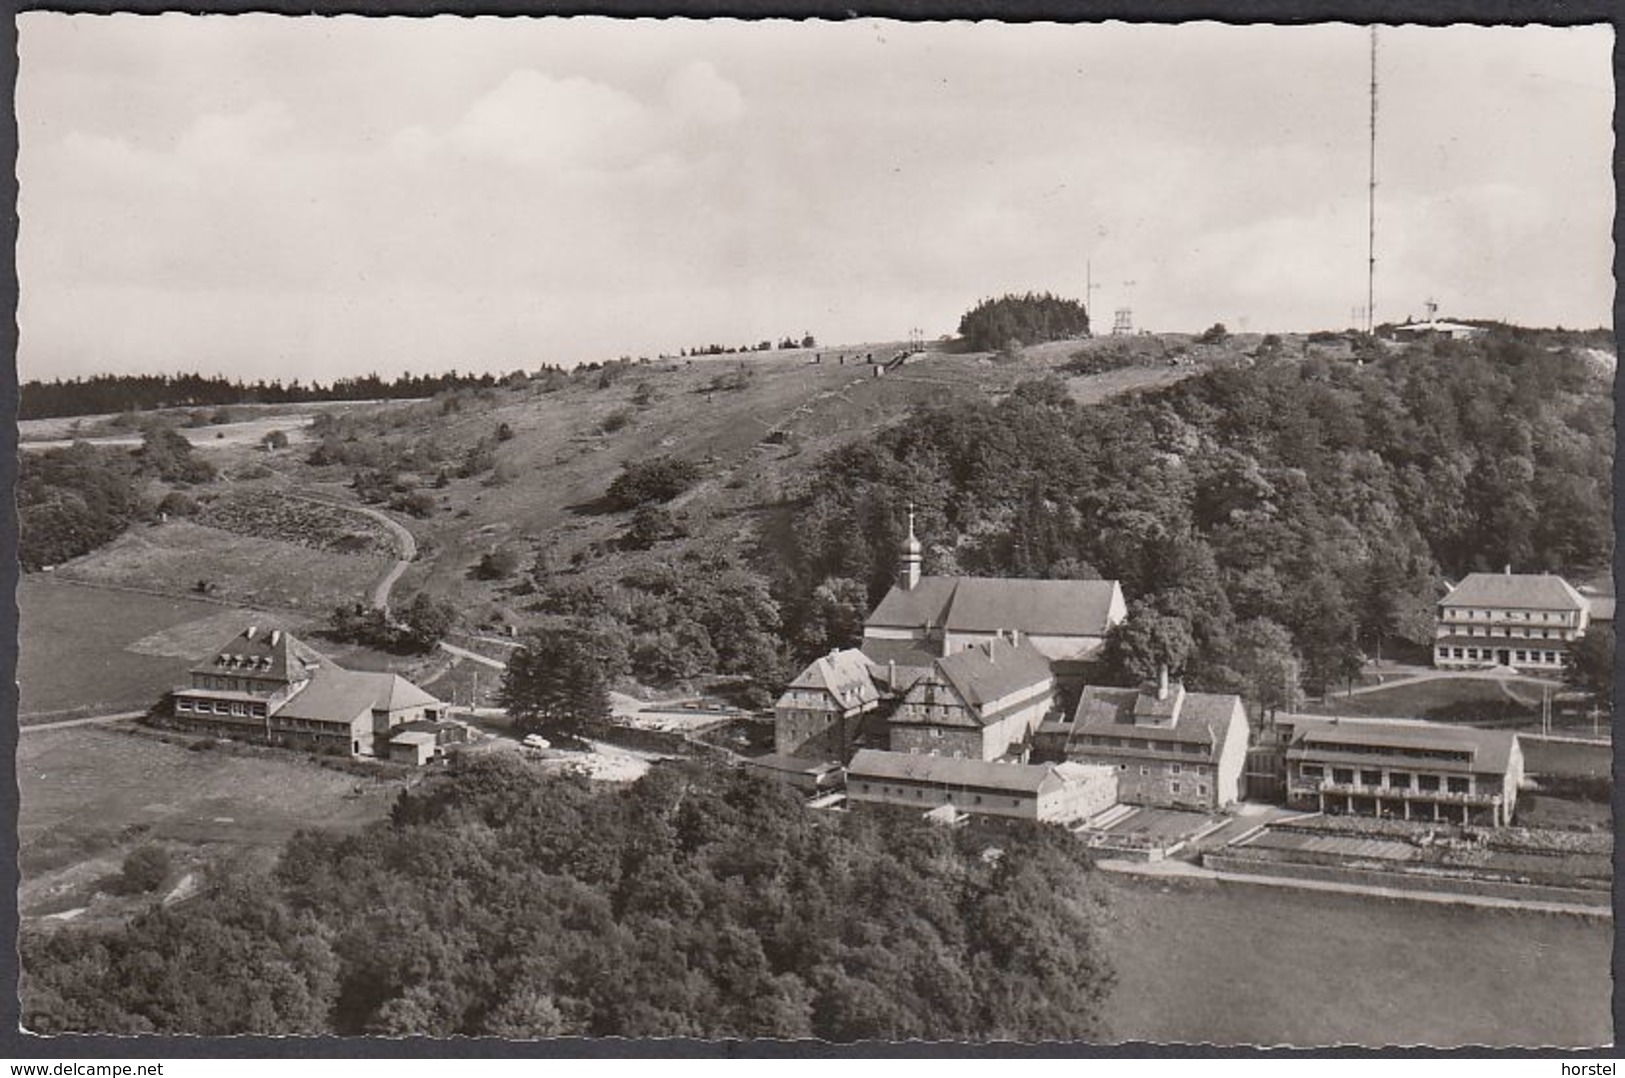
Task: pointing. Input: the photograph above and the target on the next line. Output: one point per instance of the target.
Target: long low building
(1049, 793)
(1403, 768)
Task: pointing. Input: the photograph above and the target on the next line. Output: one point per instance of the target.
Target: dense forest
(700, 901)
(1278, 520)
(113, 393)
(996, 324)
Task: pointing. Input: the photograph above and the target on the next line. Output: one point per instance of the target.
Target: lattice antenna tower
(1371, 203)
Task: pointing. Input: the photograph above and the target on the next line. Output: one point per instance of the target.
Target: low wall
(1408, 881)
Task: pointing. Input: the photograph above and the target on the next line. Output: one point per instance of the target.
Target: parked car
(536, 741)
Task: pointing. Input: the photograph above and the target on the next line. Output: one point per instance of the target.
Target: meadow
(90, 794)
(1237, 964)
(87, 650)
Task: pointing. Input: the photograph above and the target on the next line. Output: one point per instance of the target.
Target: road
(1497, 674)
(406, 547)
(472, 656)
(1187, 870)
(89, 720)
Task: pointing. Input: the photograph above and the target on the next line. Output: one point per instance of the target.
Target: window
(1015, 802)
(1145, 771)
(936, 732)
(183, 705)
(1343, 776)
(1312, 771)
(1428, 783)
(1371, 778)
(1457, 785)
(1520, 655)
(1399, 780)
(918, 794)
(1122, 767)
(222, 708)
(978, 799)
(1174, 767)
(1173, 787)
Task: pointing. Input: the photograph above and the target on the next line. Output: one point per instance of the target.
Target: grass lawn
(1418, 698)
(89, 794)
(173, 557)
(85, 650)
(1228, 963)
(1566, 758)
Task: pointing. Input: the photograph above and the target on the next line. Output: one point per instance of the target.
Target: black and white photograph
(843, 532)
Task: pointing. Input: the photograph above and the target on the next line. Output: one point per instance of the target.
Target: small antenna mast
(1371, 204)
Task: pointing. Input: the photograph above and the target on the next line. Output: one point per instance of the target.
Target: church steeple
(909, 574)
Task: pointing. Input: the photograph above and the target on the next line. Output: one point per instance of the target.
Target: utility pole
(1371, 204)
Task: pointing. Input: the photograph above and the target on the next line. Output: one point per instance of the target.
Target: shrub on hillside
(144, 869)
(653, 481)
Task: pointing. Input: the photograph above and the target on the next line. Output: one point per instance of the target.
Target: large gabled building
(819, 713)
(1523, 620)
(1047, 793)
(267, 686)
(924, 618)
(1170, 747)
(981, 703)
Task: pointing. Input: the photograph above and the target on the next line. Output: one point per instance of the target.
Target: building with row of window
(269, 687)
(1408, 769)
(1169, 747)
(1046, 793)
(1523, 620)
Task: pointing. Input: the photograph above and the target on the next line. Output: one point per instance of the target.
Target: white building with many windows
(1521, 620)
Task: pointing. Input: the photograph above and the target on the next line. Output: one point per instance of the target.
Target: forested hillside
(1258, 517)
(700, 901)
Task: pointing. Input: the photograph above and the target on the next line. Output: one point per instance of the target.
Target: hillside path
(473, 656)
(406, 547)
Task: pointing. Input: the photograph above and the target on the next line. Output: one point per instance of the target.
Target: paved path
(89, 720)
(1435, 675)
(1186, 870)
(473, 656)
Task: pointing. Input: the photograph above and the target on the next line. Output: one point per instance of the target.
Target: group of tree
(1287, 519)
(73, 500)
(1030, 318)
(699, 901)
(414, 628)
(806, 340)
(652, 481)
(702, 612)
(116, 393)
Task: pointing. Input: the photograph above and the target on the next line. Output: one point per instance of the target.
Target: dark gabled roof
(985, 605)
(335, 695)
(1491, 749)
(948, 771)
(909, 655)
(1199, 717)
(264, 654)
(926, 603)
(845, 675)
(993, 670)
(1517, 591)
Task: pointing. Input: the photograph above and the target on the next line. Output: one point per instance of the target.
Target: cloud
(534, 119)
(697, 94)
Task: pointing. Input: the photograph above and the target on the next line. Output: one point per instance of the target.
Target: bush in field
(653, 481)
(497, 564)
(275, 439)
(145, 869)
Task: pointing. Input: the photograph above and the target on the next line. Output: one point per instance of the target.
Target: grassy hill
(750, 421)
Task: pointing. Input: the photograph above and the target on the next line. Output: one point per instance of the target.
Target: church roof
(986, 604)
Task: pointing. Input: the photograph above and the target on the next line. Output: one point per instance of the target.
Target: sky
(265, 196)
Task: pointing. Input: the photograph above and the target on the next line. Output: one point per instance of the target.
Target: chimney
(1162, 682)
(891, 674)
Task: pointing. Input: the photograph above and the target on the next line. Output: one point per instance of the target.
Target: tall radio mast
(1371, 203)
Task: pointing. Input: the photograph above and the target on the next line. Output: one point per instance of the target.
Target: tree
(145, 869)
(1268, 666)
(426, 620)
(275, 439)
(498, 564)
(1145, 642)
(1591, 663)
(652, 481)
(555, 679)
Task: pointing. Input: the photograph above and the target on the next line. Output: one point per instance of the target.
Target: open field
(1417, 699)
(90, 794)
(85, 650)
(242, 569)
(1203, 961)
(251, 422)
(1566, 759)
